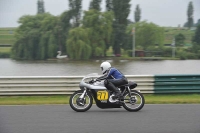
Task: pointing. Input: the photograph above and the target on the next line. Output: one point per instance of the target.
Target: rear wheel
(135, 102)
(80, 104)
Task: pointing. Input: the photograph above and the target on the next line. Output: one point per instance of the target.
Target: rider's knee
(106, 82)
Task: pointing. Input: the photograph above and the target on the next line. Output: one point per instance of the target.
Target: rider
(112, 77)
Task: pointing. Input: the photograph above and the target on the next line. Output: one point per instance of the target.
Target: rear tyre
(78, 104)
(135, 102)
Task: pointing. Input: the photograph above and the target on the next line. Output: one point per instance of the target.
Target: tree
(48, 40)
(147, 35)
(60, 35)
(39, 37)
(180, 38)
(190, 10)
(121, 9)
(137, 13)
(63, 27)
(95, 4)
(196, 38)
(198, 23)
(40, 4)
(99, 25)
(75, 8)
(78, 44)
(28, 36)
(109, 5)
(196, 42)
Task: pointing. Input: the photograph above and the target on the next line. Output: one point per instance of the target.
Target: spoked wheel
(80, 104)
(135, 102)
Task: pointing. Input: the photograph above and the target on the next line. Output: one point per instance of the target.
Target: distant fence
(55, 85)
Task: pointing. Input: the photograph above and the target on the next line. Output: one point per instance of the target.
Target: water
(9, 67)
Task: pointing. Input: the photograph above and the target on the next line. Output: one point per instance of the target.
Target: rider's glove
(92, 81)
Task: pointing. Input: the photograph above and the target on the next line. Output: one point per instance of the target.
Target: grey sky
(161, 12)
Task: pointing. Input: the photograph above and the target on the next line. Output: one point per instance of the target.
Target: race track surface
(180, 118)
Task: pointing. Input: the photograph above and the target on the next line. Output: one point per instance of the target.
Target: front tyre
(133, 102)
(80, 104)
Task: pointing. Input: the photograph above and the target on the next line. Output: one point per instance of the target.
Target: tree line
(40, 36)
(190, 20)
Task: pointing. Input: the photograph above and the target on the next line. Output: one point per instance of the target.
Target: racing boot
(112, 87)
(117, 93)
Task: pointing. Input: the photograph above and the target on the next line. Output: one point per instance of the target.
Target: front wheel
(133, 102)
(80, 104)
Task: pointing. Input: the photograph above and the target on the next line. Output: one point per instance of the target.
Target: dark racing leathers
(113, 78)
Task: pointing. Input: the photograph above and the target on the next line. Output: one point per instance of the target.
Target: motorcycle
(82, 100)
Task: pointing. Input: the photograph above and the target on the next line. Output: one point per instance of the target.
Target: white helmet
(105, 66)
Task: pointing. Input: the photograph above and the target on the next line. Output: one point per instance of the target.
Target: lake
(9, 67)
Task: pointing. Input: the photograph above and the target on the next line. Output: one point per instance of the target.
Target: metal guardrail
(54, 85)
(189, 83)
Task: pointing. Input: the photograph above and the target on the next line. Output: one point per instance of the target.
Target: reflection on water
(10, 67)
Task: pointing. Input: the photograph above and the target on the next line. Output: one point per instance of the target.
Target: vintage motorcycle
(82, 100)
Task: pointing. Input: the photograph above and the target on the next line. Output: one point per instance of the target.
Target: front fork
(83, 94)
(81, 100)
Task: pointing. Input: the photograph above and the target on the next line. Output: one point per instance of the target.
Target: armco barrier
(177, 84)
(54, 85)
(38, 85)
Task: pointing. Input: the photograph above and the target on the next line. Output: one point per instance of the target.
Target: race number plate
(102, 95)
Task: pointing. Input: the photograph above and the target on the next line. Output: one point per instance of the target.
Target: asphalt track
(180, 118)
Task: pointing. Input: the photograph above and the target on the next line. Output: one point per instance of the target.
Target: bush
(183, 54)
(129, 53)
(4, 55)
(167, 52)
(192, 56)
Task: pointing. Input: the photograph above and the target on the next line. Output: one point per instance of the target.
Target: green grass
(5, 49)
(7, 35)
(7, 32)
(62, 99)
(29, 100)
(173, 99)
(171, 32)
(8, 41)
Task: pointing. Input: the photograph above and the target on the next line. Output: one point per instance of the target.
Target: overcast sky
(161, 12)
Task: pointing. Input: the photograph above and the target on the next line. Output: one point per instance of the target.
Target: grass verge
(31, 100)
(172, 98)
(61, 99)
(5, 49)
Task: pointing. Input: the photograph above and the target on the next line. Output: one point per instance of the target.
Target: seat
(131, 85)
